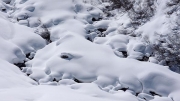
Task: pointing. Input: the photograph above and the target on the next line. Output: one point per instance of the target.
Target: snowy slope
(17, 41)
(72, 50)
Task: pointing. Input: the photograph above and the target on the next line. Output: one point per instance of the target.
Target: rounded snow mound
(69, 58)
(17, 41)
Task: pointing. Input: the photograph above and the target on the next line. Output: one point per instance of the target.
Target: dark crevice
(133, 35)
(28, 55)
(124, 54)
(94, 19)
(35, 80)
(145, 58)
(28, 74)
(101, 35)
(45, 34)
(168, 63)
(20, 65)
(154, 94)
(124, 89)
(102, 29)
(78, 81)
(55, 80)
(64, 56)
(4, 10)
(88, 38)
(137, 94)
(24, 18)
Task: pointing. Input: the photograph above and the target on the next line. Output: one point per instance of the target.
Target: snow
(160, 23)
(21, 39)
(95, 63)
(12, 77)
(87, 57)
(79, 92)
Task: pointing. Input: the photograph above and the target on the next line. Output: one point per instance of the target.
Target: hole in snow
(124, 54)
(3, 10)
(94, 19)
(66, 56)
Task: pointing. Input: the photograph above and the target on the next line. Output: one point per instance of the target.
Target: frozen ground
(66, 50)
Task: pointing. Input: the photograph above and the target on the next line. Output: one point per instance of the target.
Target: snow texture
(53, 50)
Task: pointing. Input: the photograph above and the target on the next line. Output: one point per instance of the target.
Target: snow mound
(12, 77)
(20, 40)
(58, 16)
(89, 62)
(75, 92)
(85, 51)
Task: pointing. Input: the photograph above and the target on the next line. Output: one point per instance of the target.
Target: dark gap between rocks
(20, 65)
(124, 89)
(94, 19)
(124, 53)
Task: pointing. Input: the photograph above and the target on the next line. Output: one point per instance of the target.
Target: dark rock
(145, 58)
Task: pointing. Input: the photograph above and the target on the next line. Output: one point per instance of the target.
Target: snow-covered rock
(85, 50)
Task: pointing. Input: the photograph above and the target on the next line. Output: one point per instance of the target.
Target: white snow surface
(74, 68)
(17, 40)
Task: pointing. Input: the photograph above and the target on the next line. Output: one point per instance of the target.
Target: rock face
(89, 50)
